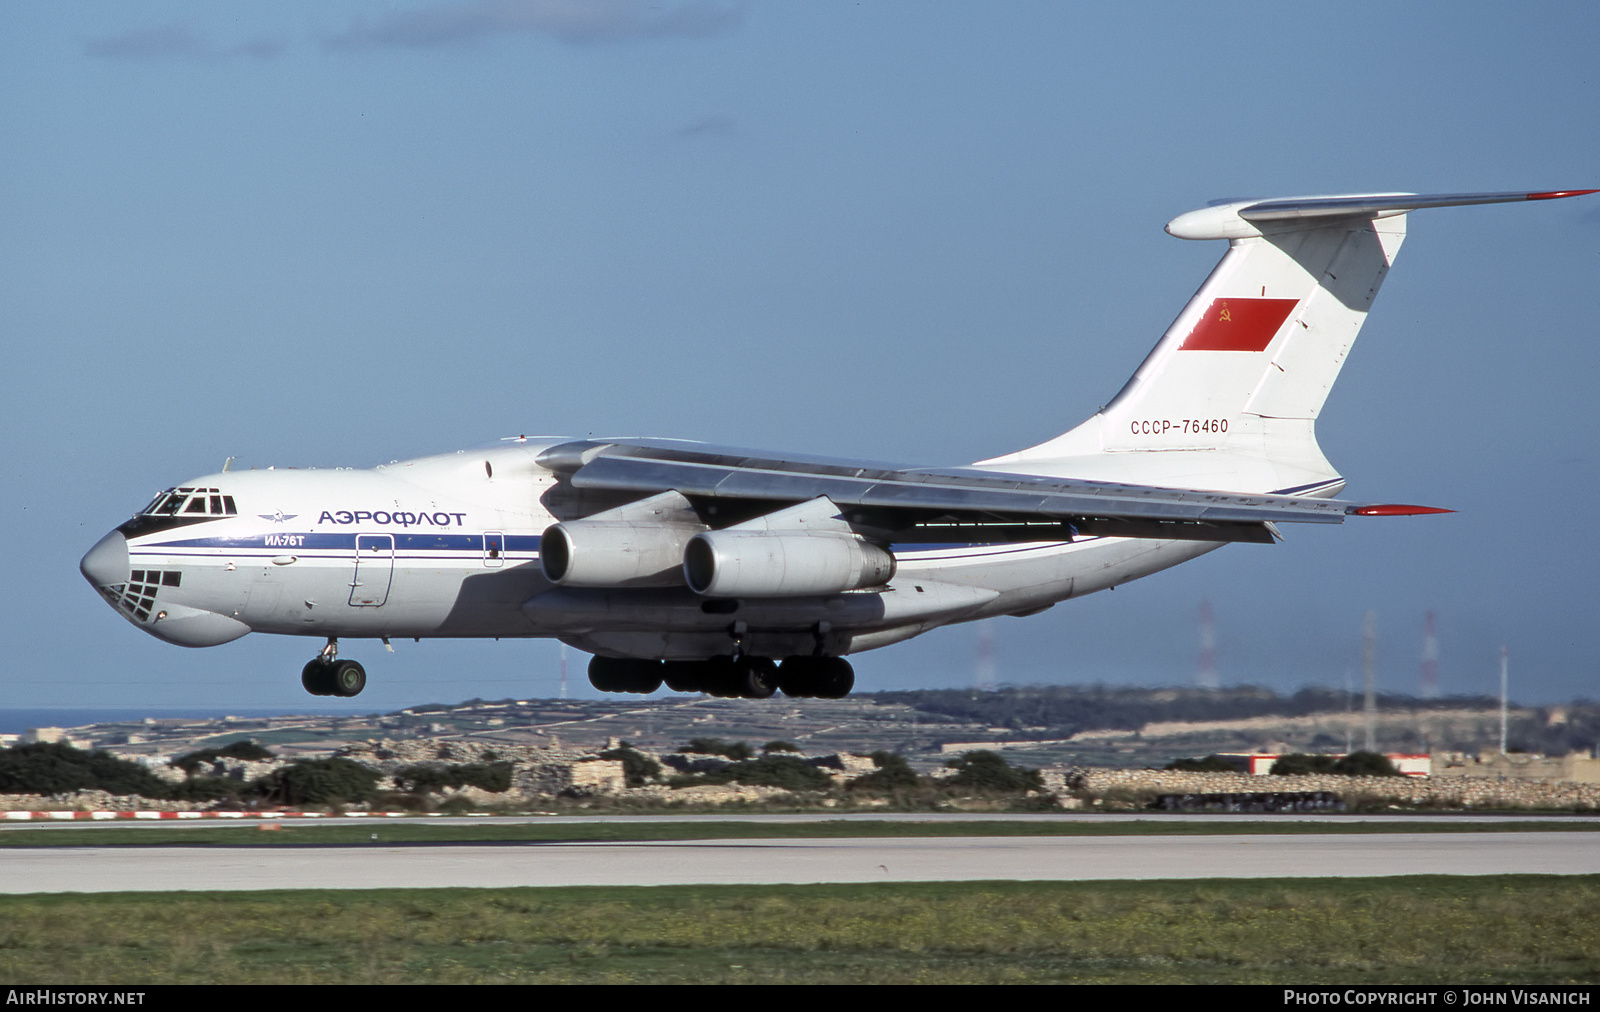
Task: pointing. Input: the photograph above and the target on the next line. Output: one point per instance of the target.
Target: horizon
(8, 723)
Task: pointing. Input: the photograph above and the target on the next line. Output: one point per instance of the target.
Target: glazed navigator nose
(106, 565)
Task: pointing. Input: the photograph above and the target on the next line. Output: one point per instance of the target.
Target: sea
(19, 720)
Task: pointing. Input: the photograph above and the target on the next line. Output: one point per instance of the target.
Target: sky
(342, 233)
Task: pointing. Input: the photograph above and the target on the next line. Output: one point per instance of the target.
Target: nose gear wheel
(338, 678)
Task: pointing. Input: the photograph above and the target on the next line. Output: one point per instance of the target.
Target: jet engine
(638, 545)
(804, 550)
(760, 564)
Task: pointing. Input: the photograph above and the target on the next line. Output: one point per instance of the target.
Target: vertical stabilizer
(1247, 365)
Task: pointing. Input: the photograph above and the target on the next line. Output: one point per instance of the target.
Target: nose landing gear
(324, 675)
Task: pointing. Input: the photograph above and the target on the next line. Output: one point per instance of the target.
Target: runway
(705, 862)
(1109, 818)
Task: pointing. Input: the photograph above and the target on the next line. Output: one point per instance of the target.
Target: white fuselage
(448, 546)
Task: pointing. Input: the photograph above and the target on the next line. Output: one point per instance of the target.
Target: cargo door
(374, 570)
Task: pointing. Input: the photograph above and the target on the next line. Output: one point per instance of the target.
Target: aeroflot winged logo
(278, 516)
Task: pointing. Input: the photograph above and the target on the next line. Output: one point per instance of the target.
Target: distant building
(1579, 767)
(1261, 763)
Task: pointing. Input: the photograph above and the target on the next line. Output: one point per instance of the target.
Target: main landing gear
(744, 676)
(325, 675)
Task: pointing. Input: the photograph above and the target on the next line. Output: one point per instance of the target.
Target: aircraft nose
(107, 562)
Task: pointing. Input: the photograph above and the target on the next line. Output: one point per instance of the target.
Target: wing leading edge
(941, 505)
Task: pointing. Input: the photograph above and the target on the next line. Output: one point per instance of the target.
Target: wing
(910, 504)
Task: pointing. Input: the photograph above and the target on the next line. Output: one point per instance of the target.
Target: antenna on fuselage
(227, 465)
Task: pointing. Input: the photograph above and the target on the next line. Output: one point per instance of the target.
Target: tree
(988, 771)
(737, 751)
(322, 781)
(638, 769)
(1366, 764)
(783, 771)
(893, 774)
(55, 767)
(1356, 764)
(247, 750)
(1210, 764)
(1302, 763)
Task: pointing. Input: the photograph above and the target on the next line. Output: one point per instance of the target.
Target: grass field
(421, 831)
(1432, 929)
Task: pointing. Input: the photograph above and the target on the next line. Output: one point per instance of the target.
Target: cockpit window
(209, 501)
(179, 507)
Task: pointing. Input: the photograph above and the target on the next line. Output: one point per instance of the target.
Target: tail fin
(1249, 362)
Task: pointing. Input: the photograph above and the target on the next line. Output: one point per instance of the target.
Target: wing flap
(955, 493)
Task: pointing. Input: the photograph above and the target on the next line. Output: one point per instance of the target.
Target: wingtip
(1394, 510)
(1558, 194)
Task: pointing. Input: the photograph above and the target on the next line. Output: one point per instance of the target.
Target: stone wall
(1577, 767)
(93, 801)
(535, 771)
(1464, 792)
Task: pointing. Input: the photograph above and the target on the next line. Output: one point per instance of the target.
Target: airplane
(743, 573)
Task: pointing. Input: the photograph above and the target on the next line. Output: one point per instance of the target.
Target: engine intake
(638, 545)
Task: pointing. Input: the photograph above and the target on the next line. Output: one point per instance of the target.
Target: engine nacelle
(582, 554)
(746, 563)
(638, 545)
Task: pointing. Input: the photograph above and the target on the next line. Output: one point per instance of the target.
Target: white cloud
(574, 21)
(709, 126)
(161, 42)
(165, 42)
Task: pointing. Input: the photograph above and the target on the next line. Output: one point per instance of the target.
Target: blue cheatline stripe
(274, 541)
(439, 542)
(923, 551)
(402, 542)
(413, 561)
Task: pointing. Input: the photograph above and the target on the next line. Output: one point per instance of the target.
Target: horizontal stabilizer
(1240, 219)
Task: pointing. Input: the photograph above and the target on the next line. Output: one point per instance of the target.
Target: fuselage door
(494, 549)
(374, 570)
